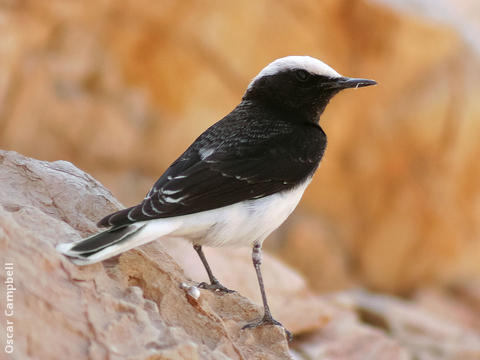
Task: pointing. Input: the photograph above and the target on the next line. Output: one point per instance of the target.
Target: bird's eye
(302, 75)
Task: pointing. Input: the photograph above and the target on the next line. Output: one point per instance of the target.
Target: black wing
(213, 173)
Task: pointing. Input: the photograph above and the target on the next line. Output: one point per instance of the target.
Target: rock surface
(130, 307)
(382, 327)
(121, 88)
(135, 306)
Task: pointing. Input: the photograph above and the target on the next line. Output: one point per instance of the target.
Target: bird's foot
(269, 320)
(215, 286)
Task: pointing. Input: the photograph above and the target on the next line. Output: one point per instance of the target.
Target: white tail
(112, 242)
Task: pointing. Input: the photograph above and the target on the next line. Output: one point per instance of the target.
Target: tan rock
(129, 307)
(368, 326)
(143, 305)
(426, 332)
(121, 90)
(306, 245)
(290, 300)
(459, 304)
(345, 338)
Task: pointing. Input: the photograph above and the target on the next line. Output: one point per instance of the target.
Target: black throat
(282, 96)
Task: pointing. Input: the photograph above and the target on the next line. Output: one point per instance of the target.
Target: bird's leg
(267, 315)
(214, 283)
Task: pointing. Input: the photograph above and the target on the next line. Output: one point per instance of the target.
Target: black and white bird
(240, 179)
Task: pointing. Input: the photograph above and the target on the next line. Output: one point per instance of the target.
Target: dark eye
(302, 75)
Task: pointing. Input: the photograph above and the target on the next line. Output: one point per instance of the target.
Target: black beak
(346, 83)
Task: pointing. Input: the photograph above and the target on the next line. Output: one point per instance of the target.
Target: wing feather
(232, 172)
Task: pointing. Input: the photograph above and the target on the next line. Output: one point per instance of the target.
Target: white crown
(308, 63)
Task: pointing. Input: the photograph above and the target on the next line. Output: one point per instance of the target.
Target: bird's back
(251, 153)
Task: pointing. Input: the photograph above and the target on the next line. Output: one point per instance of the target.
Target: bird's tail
(109, 243)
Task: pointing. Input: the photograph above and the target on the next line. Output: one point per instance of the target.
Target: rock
(459, 304)
(368, 326)
(131, 306)
(307, 245)
(122, 89)
(426, 333)
(346, 338)
(144, 305)
(290, 300)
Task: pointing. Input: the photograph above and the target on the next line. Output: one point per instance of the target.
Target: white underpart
(308, 63)
(240, 224)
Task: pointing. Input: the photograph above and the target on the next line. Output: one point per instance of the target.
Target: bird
(240, 179)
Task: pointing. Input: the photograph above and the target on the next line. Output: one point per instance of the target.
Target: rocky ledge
(140, 305)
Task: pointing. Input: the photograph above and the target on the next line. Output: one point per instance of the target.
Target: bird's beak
(346, 82)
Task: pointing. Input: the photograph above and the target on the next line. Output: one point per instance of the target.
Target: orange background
(121, 88)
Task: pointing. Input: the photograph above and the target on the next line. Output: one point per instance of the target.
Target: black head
(300, 85)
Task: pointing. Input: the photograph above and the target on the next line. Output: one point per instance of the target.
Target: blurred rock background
(121, 88)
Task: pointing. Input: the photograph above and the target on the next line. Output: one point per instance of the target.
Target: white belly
(240, 224)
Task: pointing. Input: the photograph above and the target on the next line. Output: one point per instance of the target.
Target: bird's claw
(268, 320)
(215, 287)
